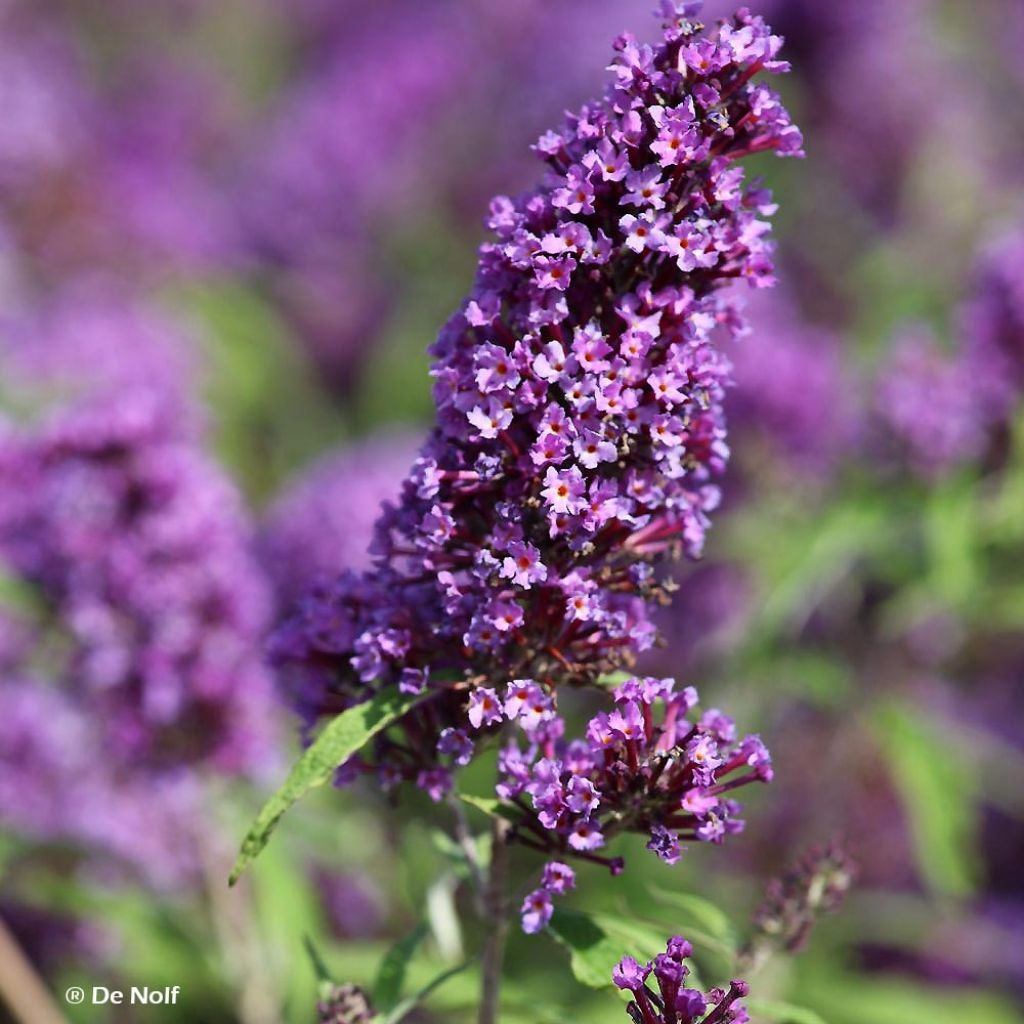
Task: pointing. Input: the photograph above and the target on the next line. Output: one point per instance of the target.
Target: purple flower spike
(578, 436)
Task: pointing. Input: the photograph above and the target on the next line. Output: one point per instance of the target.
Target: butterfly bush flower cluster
(58, 786)
(660, 994)
(643, 767)
(323, 522)
(579, 409)
(938, 406)
(138, 550)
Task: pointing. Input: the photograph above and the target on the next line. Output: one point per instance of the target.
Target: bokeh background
(228, 231)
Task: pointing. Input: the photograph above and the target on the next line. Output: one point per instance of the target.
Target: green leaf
(938, 793)
(782, 1013)
(699, 919)
(317, 961)
(597, 942)
(406, 1006)
(491, 807)
(340, 739)
(950, 533)
(391, 975)
(847, 998)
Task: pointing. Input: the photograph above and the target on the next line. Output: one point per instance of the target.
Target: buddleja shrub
(578, 438)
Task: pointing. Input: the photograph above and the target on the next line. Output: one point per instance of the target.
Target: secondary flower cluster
(323, 522)
(578, 391)
(816, 885)
(674, 1003)
(148, 607)
(644, 767)
(941, 406)
(57, 785)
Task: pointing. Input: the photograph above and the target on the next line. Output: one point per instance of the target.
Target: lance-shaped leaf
(391, 975)
(342, 737)
(596, 943)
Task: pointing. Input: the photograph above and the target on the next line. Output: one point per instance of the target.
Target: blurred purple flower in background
(139, 547)
(57, 786)
(929, 405)
(323, 521)
(790, 397)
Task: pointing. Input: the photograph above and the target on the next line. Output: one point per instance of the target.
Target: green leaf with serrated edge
(781, 1013)
(340, 739)
(491, 807)
(406, 1006)
(596, 943)
(391, 975)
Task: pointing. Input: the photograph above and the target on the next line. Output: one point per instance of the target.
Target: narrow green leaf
(938, 793)
(317, 961)
(406, 1006)
(597, 942)
(340, 739)
(391, 975)
(490, 806)
(782, 1013)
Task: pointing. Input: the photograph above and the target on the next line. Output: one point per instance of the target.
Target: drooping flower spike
(674, 1002)
(579, 420)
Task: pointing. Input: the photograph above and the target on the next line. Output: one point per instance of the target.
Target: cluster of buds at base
(815, 885)
(674, 1002)
(345, 1004)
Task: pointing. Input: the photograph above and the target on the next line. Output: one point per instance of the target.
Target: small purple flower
(413, 680)
(522, 565)
(435, 782)
(558, 878)
(536, 911)
(484, 708)
(564, 490)
(582, 796)
(665, 844)
(646, 188)
(628, 975)
(585, 835)
(457, 745)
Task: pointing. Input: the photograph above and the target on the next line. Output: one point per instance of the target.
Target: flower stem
(21, 989)
(496, 923)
